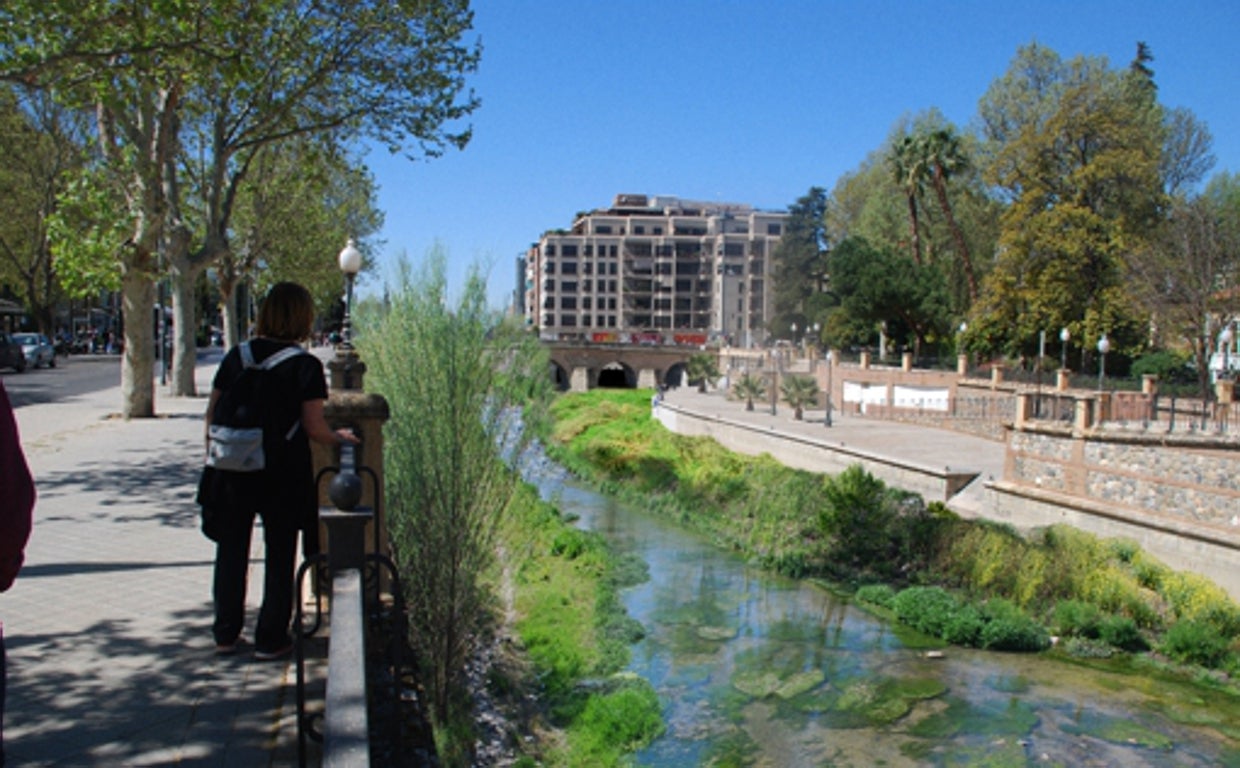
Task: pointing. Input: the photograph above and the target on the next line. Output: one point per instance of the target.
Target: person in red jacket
(16, 508)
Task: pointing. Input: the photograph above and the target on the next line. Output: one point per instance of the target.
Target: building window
(569, 286)
(585, 303)
(568, 268)
(549, 249)
(568, 249)
(568, 321)
(773, 229)
(602, 229)
(568, 302)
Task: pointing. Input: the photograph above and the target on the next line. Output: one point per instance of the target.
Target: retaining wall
(814, 455)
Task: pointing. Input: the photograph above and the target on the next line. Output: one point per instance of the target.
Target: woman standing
(283, 494)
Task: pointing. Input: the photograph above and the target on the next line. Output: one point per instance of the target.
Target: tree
(880, 288)
(41, 149)
(1075, 147)
(798, 392)
(1188, 277)
(801, 259)
(945, 159)
(906, 159)
(249, 74)
(302, 202)
(455, 377)
(749, 388)
(702, 370)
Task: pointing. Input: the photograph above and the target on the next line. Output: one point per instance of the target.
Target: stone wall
(1178, 498)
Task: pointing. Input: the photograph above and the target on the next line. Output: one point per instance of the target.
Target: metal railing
(367, 637)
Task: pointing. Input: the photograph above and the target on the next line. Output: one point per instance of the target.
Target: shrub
(964, 627)
(1198, 643)
(876, 594)
(926, 609)
(1074, 618)
(1121, 632)
(1006, 628)
(1197, 599)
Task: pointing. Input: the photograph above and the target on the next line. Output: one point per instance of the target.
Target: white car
(38, 350)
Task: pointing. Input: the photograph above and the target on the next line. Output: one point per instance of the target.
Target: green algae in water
(735, 749)
(757, 684)
(1009, 683)
(1119, 731)
(962, 717)
(800, 683)
(1002, 754)
(716, 633)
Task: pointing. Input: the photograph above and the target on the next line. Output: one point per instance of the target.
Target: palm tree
(944, 157)
(702, 370)
(906, 160)
(751, 388)
(798, 392)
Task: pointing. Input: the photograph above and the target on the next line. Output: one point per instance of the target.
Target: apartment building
(656, 270)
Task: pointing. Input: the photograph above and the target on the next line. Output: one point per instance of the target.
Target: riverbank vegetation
(968, 582)
(514, 618)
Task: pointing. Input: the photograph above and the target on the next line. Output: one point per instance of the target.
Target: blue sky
(750, 102)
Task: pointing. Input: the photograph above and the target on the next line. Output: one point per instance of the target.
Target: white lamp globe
(350, 259)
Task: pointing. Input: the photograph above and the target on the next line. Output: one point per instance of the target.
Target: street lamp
(1103, 347)
(1224, 340)
(350, 264)
(830, 360)
(1063, 347)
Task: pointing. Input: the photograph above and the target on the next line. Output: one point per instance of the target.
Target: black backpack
(245, 432)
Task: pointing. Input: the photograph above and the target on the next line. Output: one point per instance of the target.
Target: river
(757, 670)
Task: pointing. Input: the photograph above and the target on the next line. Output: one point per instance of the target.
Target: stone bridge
(579, 366)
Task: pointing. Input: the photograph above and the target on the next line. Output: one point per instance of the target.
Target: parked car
(11, 353)
(38, 350)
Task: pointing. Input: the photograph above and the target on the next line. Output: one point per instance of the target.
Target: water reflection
(758, 670)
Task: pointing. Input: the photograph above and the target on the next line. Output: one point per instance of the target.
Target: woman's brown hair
(287, 313)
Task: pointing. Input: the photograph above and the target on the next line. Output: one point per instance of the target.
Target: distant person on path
(283, 494)
(16, 509)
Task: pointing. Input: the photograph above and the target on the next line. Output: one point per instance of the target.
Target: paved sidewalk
(110, 656)
(912, 443)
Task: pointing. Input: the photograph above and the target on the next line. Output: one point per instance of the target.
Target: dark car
(11, 353)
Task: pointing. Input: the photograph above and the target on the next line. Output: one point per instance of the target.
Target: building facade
(656, 270)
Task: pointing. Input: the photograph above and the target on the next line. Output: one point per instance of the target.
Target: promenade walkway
(911, 443)
(110, 655)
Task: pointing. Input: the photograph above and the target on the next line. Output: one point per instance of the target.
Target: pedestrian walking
(282, 493)
(17, 496)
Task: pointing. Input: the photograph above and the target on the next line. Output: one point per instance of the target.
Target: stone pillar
(996, 375)
(1061, 379)
(1023, 408)
(345, 370)
(1225, 391)
(906, 361)
(1083, 418)
(962, 365)
(1149, 384)
(365, 413)
(579, 379)
(865, 360)
(647, 378)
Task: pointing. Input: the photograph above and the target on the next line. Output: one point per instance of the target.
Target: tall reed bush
(454, 377)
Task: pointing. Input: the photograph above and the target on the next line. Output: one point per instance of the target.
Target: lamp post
(350, 264)
(1224, 341)
(1104, 345)
(347, 369)
(830, 361)
(1063, 347)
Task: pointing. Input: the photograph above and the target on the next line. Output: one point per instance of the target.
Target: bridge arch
(581, 366)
